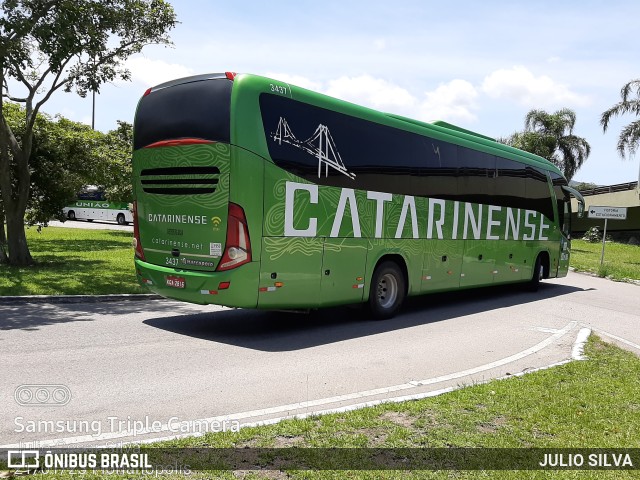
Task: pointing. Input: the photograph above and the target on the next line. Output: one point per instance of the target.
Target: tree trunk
(4, 170)
(14, 210)
(19, 254)
(15, 189)
(3, 239)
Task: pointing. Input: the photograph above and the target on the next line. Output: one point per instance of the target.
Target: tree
(550, 135)
(629, 138)
(63, 159)
(114, 171)
(585, 186)
(52, 45)
(65, 156)
(532, 142)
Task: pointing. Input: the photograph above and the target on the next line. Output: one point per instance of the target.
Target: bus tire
(71, 215)
(536, 278)
(387, 290)
(120, 219)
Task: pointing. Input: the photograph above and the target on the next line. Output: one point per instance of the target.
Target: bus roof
(439, 129)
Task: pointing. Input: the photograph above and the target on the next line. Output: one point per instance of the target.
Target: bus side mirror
(576, 194)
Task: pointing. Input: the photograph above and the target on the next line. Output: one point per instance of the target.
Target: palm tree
(629, 139)
(550, 135)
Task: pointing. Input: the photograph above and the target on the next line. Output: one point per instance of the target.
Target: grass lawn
(585, 404)
(73, 261)
(621, 261)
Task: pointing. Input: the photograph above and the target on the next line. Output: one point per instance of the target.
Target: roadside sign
(607, 213)
(613, 213)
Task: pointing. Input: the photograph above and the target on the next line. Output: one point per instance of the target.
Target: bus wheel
(121, 220)
(536, 278)
(387, 291)
(71, 215)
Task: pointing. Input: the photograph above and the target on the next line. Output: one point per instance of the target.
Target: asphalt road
(114, 367)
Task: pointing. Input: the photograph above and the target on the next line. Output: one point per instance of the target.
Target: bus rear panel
(190, 240)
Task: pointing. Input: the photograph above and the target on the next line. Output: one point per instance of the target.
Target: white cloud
(453, 101)
(76, 116)
(153, 72)
(297, 80)
(372, 92)
(450, 101)
(522, 86)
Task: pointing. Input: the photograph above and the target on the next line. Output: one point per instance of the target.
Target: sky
(479, 65)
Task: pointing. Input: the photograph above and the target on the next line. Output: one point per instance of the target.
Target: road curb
(12, 300)
(632, 281)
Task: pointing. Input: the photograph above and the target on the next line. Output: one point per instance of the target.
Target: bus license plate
(175, 282)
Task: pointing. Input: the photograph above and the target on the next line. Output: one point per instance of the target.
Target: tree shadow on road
(33, 316)
(276, 331)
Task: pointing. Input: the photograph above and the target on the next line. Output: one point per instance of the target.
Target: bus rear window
(192, 109)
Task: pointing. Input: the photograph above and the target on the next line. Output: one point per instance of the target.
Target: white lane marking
(217, 420)
(577, 352)
(504, 361)
(615, 337)
(545, 330)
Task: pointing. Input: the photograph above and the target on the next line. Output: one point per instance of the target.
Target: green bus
(250, 192)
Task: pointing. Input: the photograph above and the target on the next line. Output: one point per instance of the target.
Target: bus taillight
(238, 247)
(137, 245)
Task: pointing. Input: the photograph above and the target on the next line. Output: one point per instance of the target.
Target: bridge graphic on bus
(321, 145)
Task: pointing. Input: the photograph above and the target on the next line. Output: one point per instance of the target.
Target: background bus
(91, 205)
(252, 193)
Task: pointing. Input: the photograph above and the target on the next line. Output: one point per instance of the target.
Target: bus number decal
(173, 261)
(278, 89)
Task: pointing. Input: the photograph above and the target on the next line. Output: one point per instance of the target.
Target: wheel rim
(387, 291)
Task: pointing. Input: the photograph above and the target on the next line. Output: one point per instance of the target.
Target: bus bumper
(233, 288)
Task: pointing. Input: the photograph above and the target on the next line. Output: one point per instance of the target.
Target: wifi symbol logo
(216, 221)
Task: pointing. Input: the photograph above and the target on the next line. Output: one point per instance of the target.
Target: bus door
(564, 220)
(478, 262)
(563, 204)
(343, 271)
(564, 211)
